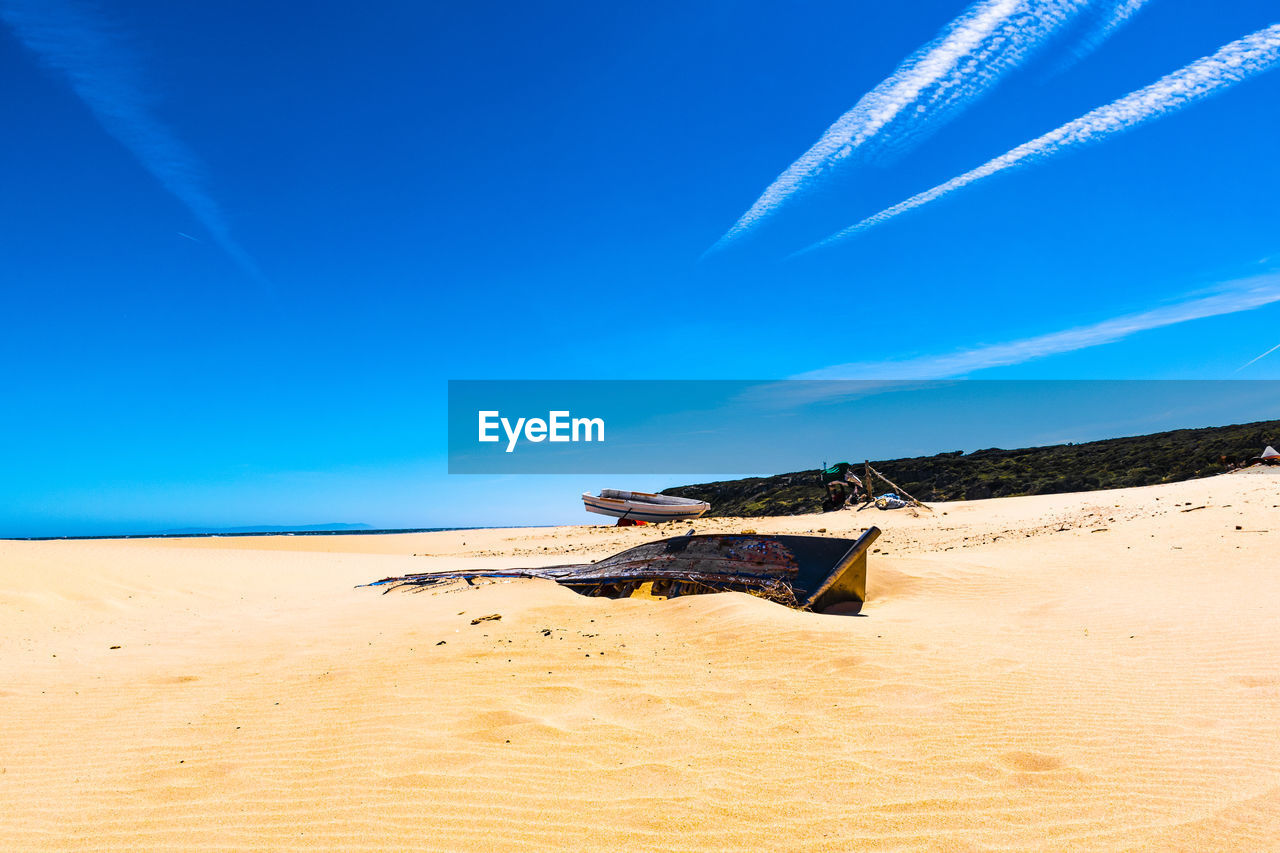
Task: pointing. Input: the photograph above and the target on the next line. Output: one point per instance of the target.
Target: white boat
(642, 506)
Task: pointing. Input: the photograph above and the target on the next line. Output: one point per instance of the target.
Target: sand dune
(1069, 672)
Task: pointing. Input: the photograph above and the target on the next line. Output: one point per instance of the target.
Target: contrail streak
(1111, 17)
(1233, 297)
(80, 45)
(1231, 64)
(964, 62)
(1259, 358)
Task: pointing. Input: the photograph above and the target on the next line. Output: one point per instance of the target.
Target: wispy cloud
(1242, 295)
(1233, 63)
(77, 42)
(965, 61)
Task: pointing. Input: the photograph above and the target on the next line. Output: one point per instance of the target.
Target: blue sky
(245, 246)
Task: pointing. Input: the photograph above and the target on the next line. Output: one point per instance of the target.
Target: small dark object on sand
(492, 617)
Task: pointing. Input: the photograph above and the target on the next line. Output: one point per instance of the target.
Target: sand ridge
(1092, 671)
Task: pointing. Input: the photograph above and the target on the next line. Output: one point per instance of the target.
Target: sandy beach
(1070, 672)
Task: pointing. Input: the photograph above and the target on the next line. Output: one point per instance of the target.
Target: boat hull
(807, 572)
(643, 506)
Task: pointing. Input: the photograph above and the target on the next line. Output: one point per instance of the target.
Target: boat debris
(815, 573)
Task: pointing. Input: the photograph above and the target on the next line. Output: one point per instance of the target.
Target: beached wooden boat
(643, 506)
(807, 572)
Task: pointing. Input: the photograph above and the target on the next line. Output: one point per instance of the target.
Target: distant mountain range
(1144, 460)
(264, 528)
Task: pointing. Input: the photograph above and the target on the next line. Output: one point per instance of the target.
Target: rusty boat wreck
(815, 573)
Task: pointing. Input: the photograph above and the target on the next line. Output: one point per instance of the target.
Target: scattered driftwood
(898, 489)
(805, 572)
(1194, 508)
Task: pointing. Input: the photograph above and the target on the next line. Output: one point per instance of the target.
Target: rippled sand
(1093, 672)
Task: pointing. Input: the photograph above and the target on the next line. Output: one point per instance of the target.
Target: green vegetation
(1145, 460)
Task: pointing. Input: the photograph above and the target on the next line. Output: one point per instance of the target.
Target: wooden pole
(901, 491)
(868, 499)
